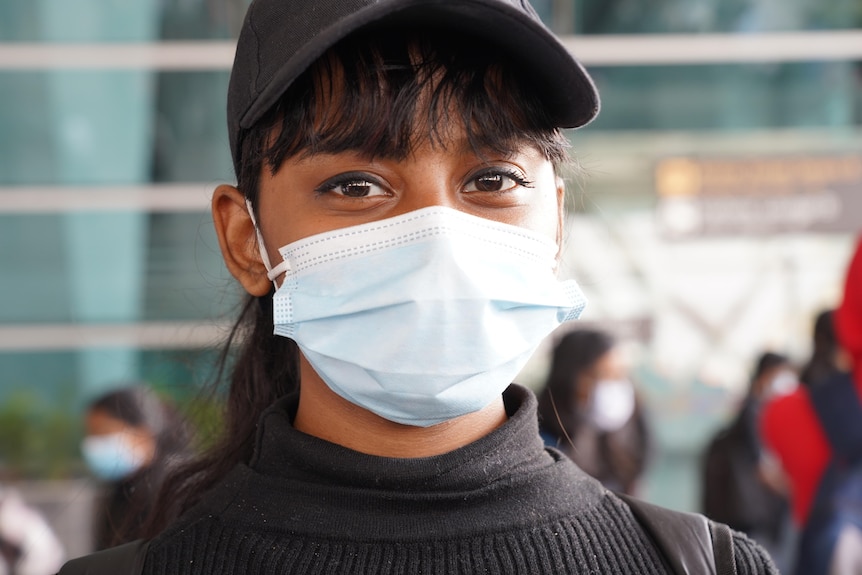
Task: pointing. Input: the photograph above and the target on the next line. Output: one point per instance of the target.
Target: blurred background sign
(758, 195)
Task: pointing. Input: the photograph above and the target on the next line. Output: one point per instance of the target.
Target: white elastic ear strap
(271, 272)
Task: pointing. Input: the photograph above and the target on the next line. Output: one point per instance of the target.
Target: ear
(238, 240)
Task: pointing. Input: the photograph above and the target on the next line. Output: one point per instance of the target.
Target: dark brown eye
(496, 180)
(353, 185)
(356, 189)
(489, 183)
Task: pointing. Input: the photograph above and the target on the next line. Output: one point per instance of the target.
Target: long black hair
(380, 94)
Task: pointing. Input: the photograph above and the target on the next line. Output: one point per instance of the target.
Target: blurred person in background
(826, 356)
(742, 484)
(817, 434)
(589, 410)
(789, 425)
(133, 439)
(28, 545)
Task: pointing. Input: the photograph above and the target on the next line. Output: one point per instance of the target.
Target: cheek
(584, 390)
(141, 442)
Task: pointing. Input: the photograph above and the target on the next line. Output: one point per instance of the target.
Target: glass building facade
(112, 137)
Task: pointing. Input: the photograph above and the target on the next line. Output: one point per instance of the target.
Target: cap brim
(564, 85)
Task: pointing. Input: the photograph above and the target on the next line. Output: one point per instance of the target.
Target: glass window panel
(108, 20)
(27, 133)
(728, 97)
(697, 16)
(179, 373)
(113, 127)
(34, 271)
(116, 21)
(186, 278)
(183, 276)
(48, 376)
(191, 128)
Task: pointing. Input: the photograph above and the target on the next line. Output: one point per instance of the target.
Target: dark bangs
(381, 93)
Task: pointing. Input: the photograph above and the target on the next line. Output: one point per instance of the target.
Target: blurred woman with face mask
(590, 411)
(132, 440)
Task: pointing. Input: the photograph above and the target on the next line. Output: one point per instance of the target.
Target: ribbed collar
(513, 448)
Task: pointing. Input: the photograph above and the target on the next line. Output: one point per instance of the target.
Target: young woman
(396, 223)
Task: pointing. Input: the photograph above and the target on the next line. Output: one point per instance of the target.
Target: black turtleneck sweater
(501, 505)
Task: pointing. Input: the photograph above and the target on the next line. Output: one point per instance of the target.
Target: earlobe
(238, 241)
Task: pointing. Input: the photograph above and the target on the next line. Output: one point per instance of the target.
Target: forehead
(613, 360)
(100, 422)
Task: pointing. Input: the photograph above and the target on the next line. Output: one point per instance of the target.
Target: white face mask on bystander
(612, 404)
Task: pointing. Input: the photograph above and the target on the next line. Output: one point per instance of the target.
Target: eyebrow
(462, 148)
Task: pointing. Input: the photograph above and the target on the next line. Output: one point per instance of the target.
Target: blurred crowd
(786, 470)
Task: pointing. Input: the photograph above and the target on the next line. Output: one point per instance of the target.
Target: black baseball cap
(280, 39)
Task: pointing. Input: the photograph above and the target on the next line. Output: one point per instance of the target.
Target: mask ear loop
(271, 272)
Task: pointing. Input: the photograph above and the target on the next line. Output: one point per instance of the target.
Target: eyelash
(510, 173)
(355, 177)
(345, 179)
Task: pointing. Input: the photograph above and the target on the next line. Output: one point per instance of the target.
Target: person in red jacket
(848, 317)
(790, 425)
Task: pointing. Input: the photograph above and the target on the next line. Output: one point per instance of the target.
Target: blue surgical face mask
(423, 317)
(111, 457)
